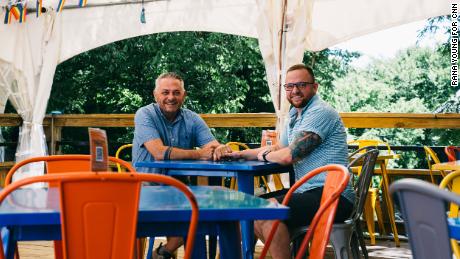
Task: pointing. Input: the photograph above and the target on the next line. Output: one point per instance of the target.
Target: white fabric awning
(34, 48)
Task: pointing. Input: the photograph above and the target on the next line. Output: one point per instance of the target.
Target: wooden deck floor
(383, 250)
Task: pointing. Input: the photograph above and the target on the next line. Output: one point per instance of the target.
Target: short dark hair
(169, 75)
(302, 66)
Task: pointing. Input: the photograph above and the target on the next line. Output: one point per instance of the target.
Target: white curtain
(34, 48)
(4, 74)
(31, 71)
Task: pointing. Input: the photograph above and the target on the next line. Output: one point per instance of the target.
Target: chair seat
(347, 237)
(341, 239)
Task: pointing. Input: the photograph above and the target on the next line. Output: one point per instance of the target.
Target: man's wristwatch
(265, 153)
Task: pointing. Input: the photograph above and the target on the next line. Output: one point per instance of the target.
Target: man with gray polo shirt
(314, 136)
(165, 131)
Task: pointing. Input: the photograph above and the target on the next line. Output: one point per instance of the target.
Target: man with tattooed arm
(314, 136)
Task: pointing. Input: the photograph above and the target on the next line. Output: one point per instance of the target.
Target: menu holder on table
(98, 149)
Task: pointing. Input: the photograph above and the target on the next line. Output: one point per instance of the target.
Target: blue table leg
(9, 245)
(246, 185)
(229, 240)
(199, 249)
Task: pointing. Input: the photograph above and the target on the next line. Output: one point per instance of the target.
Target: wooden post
(55, 133)
(57, 137)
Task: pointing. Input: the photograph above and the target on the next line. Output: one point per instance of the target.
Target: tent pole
(281, 51)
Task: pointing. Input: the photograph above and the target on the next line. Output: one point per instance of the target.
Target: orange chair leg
(140, 247)
(16, 252)
(58, 253)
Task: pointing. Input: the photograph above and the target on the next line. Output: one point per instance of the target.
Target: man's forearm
(181, 154)
(303, 144)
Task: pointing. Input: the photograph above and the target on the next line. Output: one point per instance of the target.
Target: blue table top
(157, 203)
(454, 227)
(238, 165)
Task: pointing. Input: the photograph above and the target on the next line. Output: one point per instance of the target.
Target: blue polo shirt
(320, 118)
(187, 131)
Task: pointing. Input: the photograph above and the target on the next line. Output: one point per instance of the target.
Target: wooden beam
(93, 120)
(10, 120)
(263, 120)
(243, 120)
(400, 120)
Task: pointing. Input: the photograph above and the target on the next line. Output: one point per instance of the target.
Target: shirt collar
(293, 111)
(178, 117)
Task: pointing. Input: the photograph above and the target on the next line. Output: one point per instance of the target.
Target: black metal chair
(347, 237)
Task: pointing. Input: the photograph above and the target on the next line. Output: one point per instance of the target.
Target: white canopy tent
(31, 50)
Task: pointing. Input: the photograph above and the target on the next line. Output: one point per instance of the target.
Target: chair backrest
(451, 152)
(117, 154)
(237, 146)
(423, 206)
(432, 158)
(367, 162)
(95, 223)
(370, 142)
(431, 155)
(63, 164)
(321, 225)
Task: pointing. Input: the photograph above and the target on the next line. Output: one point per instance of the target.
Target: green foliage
(226, 74)
(415, 81)
(222, 74)
(329, 65)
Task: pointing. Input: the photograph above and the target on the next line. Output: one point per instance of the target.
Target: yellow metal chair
(431, 159)
(371, 202)
(142, 244)
(117, 154)
(237, 146)
(452, 181)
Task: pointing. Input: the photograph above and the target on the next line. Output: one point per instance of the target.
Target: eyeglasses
(300, 85)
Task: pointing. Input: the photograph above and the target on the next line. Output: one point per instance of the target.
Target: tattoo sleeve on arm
(304, 143)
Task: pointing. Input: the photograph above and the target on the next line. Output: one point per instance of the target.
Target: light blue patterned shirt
(187, 131)
(320, 118)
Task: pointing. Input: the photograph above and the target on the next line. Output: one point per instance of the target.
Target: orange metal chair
(321, 225)
(451, 153)
(64, 164)
(90, 227)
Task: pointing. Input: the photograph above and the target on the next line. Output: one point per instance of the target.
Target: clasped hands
(222, 152)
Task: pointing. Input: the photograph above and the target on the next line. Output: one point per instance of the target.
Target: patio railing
(53, 124)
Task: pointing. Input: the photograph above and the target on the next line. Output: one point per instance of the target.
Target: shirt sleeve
(203, 134)
(320, 122)
(144, 126)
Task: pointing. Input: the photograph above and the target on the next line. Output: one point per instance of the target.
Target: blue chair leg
(150, 249)
(212, 248)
